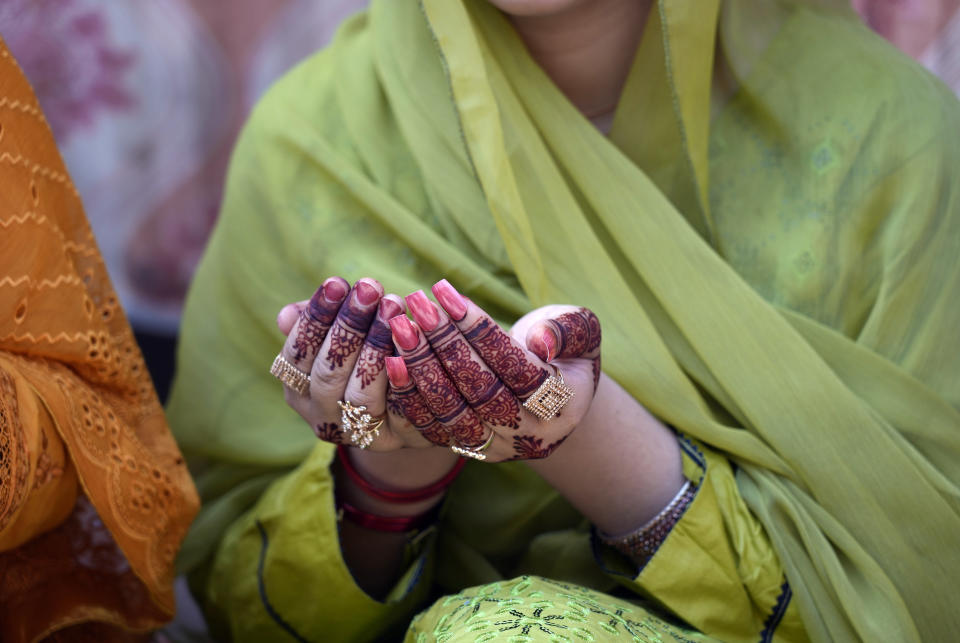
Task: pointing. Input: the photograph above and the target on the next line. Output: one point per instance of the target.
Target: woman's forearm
(620, 466)
(375, 558)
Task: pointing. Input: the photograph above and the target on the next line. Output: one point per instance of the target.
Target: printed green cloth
(531, 608)
(775, 270)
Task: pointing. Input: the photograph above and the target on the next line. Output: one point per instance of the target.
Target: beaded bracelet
(642, 544)
(414, 495)
(393, 524)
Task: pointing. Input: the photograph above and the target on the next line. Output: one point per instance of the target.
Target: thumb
(288, 316)
(574, 334)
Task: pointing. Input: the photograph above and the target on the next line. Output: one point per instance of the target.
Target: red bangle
(394, 524)
(415, 495)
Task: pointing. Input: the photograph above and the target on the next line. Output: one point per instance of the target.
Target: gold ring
(363, 427)
(477, 452)
(290, 375)
(547, 400)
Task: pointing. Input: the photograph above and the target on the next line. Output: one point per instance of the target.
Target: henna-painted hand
(341, 337)
(472, 378)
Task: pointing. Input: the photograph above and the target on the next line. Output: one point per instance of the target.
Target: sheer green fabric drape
(779, 282)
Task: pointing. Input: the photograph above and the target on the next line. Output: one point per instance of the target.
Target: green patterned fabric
(539, 609)
(775, 271)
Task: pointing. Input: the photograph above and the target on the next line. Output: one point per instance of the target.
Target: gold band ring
(547, 400)
(290, 375)
(363, 427)
(476, 452)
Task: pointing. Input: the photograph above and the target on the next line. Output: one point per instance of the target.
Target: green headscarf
(780, 283)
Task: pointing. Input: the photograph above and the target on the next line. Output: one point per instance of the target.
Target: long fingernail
(367, 293)
(334, 290)
(389, 309)
(543, 345)
(404, 332)
(450, 299)
(396, 371)
(423, 310)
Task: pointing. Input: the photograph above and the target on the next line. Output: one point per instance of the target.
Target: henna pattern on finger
(393, 404)
(505, 358)
(350, 328)
(499, 408)
(442, 397)
(483, 391)
(527, 447)
(369, 365)
(310, 336)
(407, 403)
(343, 343)
(593, 323)
(473, 380)
(440, 394)
(468, 431)
(329, 432)
(437, 434)
(317, 318)
(378, 345)
(578, 333)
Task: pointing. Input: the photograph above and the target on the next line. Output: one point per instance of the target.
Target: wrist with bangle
(641, 544)
(391, 524)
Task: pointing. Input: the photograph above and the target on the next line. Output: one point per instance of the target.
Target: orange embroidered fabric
(94, 494)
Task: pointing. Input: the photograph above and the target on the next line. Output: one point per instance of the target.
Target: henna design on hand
(442, 397)
(596, 374)
(349, 329)
(493, 402)
(378, 345)
(343, 343)
(393, 403)
(528, 447)
(467, 430)
(499, 408)
(317, 318)
(473, 380)
(440, 394)
(369, 365)
(505, 358)
(329, 432)
(578, 334)
(408, 403)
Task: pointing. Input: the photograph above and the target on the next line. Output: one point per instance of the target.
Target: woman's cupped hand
(450, 377)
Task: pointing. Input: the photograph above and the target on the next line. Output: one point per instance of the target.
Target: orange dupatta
(94, 494)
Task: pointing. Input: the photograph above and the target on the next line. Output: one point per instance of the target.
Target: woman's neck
(587, 49)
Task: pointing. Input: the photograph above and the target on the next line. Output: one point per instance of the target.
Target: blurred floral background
(146, 98)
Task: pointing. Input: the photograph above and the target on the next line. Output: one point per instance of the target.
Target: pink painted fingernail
(404, 332)
(396, 371)
(450, 299)
(367, 293)
(389, 309)
(423, 310)
(334, 290)
(543, 345)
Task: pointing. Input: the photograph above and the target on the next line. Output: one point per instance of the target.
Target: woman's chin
(534, 7)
